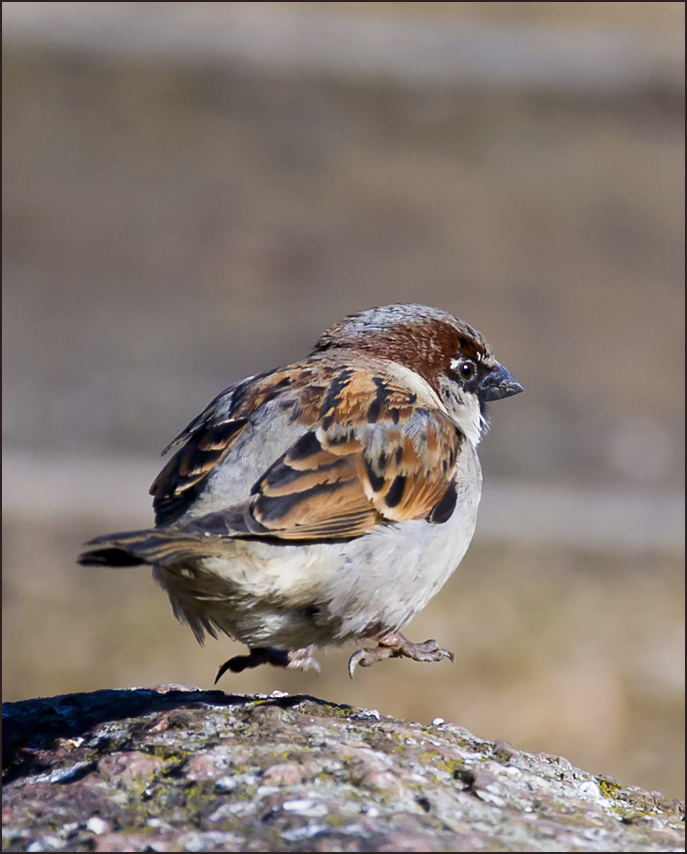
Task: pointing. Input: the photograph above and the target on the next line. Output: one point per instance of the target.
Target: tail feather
(109, 557)
(150, 546)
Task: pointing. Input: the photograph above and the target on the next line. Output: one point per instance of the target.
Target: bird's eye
(466, 369)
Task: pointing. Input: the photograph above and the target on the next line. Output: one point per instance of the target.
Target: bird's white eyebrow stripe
(455, 363)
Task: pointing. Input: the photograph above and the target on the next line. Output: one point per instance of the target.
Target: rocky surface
(178, 769)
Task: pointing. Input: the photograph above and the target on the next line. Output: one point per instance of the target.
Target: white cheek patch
(463, 408)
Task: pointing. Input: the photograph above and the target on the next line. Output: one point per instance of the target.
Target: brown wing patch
(313, 492)
(409, 468)
(340, 483)
(369, 455)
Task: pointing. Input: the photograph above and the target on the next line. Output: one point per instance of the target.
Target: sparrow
(329, 500)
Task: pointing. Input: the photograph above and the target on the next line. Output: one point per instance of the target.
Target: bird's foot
(291, 659)
(396, 646)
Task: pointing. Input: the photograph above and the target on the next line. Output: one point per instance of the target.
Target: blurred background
(194, 191)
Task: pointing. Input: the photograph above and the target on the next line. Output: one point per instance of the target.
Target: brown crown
(425, 339)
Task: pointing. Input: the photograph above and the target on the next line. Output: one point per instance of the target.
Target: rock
(174, 768)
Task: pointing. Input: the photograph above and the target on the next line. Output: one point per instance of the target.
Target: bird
(327, 501)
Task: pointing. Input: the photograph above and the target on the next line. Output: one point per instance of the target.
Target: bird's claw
(290, 659)
(366, 657)
(397, 646)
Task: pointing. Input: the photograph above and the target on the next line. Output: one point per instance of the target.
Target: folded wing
(340, 483)
(369, 454)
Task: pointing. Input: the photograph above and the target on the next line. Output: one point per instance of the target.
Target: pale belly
(292, 596)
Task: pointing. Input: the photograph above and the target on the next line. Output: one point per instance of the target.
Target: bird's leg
(395, 645)
(302, 659)
(291, 659)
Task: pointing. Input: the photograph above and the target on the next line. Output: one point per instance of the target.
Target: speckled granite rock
(178, 769)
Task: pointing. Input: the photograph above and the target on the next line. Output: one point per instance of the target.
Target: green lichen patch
(609, 787)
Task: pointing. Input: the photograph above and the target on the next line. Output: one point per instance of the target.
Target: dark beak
(498, 383)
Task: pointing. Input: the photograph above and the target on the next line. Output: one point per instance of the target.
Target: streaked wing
(182, 477)
(372, 456)
(333, 484)
(205, 442)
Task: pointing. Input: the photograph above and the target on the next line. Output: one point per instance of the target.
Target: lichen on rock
(178, 769)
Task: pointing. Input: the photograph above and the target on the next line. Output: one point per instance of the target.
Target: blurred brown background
(193, 192)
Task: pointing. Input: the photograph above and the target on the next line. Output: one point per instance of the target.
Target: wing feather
(202, 446)
(371, 453)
